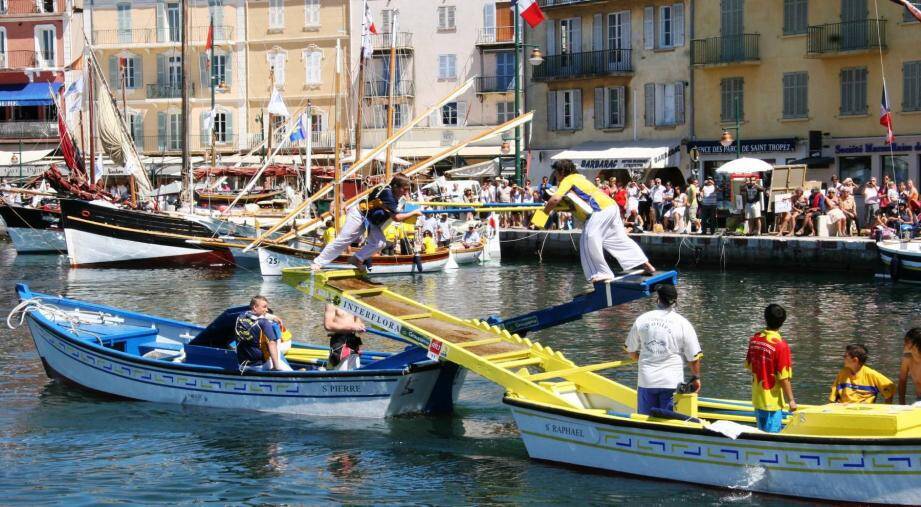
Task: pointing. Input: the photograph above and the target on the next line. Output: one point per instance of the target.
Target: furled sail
(116, 143)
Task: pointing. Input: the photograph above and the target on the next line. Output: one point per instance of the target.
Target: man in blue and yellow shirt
(603, 228)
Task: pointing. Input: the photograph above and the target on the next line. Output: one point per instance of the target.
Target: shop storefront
(711, 154)
(626, 160)
(865, 157)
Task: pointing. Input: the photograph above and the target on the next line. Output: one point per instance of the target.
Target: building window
(896, 167)
(3, 59)
(570, 35)
(311, 12)
(45, 37)
(663, 28)
(447, 67)
(795, 16)
(856, 168)
(446, 18)
(795, 94)
(276, 14)
(906, 15)
(505, 111)
(174, 136)
(174, 71)
(174, 21)
(130, 68)
(316, 123)
(664, 104)
(854, 91)
(609, 107)
(221, 131)
(276, 62)
(732, 104)
(314, 61)
(911, 86)
(124, 22)
(564, 110)
(449, 114)
(136, 124)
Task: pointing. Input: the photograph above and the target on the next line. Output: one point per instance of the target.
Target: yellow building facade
(795, 67)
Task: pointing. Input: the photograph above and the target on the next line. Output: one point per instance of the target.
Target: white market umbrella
(744, 165)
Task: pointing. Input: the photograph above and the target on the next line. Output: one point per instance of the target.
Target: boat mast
(213, 112)
(365, 32)
(186, 169)
(388, 165)
(337, 163)
(92, 83)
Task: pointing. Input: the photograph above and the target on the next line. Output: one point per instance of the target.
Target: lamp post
(726, 139)
(535, 59)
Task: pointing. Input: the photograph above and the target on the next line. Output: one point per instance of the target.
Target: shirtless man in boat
(911, 364)
(343, 338)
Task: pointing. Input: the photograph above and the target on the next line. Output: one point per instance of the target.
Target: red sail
(72, 156)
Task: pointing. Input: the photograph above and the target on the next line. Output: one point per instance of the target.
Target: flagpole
(337, 163)
(211, 72)
(361, 82)
(92, 82)
(187, 194)
(517, 22)
(388, 165)
(308, 149)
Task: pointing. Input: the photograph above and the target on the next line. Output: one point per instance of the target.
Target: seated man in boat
(911, 365)
(661, 341)
(259, 337)
(771, 364)
(368, 216)
(344, 343)
(857, 382)
(471, 237)
(603, 229)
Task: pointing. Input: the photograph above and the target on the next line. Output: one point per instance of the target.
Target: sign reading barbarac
(752, 146)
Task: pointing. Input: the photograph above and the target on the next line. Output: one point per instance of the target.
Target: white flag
(100, 170)
(277, 104)
(74, 96)
(367, 30)
(208, 121)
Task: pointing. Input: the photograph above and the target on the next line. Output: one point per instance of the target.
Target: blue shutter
(138, 72)
(228, 69)
(114, 81)
(161, 70)
(228, 127)
(205, 138)
(161, 131)
(203, 71)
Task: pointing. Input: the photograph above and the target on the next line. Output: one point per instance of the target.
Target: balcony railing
(866, 34)
(28, 7)
(382, 40)
(20, 59)
(28, 129)
(587, 64)
(496, 35)
(167, 91)
(725, 49)
(381, 89)
(320, 139)
(197, 34)
(495, 84)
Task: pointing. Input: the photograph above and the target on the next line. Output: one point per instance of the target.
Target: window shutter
(650, 110)
(489, 17)
(228, 126)
(228, 69)
(597, 33)
(577, 35)
(280, 69)
(577, 109)
(461, 114)
(552, 111)
(203, 71)
(161, 131)
(435, 118)
(113, 72)
(216, 10)
(137, 130)
(621, 106)
(205, 133)
(626, 32)
(138, 72)
(451, 17)
(162, 24)
(386, 21)
(679, 103)
(649, 27)
(551, 37)
(161, 69)
(600, 119)
(678, 24)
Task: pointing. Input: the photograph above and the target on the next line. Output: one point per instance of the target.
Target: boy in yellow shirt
(857, 382)
(428, 243)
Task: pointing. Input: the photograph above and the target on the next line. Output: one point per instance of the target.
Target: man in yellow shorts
(603, 228)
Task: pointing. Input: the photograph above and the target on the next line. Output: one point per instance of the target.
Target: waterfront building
(440, 45)
(807, 79)
(37, 41)
(611, 93)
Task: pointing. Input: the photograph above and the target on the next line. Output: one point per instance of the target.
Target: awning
(12, 157)
(596, 156)
(818, 162)
(481, 170)
(28, 94)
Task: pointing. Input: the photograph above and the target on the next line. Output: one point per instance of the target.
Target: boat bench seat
(225, 359)
(146, 347)
(110, 334)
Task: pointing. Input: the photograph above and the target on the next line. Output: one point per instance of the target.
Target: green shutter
(203, 71)
(228, 127)
(114, 82)
(161, 70)
(161, 131)
(228, 69)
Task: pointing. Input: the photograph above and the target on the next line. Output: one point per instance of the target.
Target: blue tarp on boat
(28, 94)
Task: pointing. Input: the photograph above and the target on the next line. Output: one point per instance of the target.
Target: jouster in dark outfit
(369, 216)
(250, 329)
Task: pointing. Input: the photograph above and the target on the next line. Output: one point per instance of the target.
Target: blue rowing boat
(144, 357)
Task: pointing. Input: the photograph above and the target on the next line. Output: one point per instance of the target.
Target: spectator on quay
(604, 188)
(430, 223)
(516, 198)
(621, 196)
(693, 205)
(905, 218)
(657, 196)
(456, 194)
(633, 222)
(884, 225)
(644, 201)
(771, 365)
(849, 185)
(543, 190)
(798, 205)
(751, 198)
(870, 200)
(677, 213)
(834, 184)
(893, 195)
(849, 207)
(708, 198)
(668, 196)
(903, 192)
(816, 207)
(835, 214)
(494, 191)
(504, 192)
(913, 202)
(633, 198)
(857, 382)
(598, 181)
(612, 182)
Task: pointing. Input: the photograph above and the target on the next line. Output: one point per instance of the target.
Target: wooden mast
(388, 164)
(92, 82)
(337, 163)
(186, 169)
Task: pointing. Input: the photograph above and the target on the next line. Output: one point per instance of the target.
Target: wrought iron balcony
(162, 35)
(587, 64)
(381, 88)
(496, 35)
(495, 84)
(725, 50)
(381, 41)
(28, 7)
(28, 129)
(167, 91)
(849, 36)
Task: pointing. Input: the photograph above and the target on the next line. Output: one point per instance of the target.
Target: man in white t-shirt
(661, 341)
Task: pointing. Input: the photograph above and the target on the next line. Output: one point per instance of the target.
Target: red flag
(530, 12)
(912, 8)
(72, 156)
(885, 116)
(209, 43)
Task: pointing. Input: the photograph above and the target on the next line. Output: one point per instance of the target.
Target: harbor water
(59, 445)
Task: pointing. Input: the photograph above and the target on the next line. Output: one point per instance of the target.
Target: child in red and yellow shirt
(771, 365)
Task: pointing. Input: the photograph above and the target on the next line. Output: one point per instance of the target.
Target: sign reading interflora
(753, 146)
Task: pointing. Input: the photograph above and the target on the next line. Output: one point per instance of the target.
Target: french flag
(529, 11)
(885, 116)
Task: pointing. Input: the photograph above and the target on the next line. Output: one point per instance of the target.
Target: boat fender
(895, 267)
